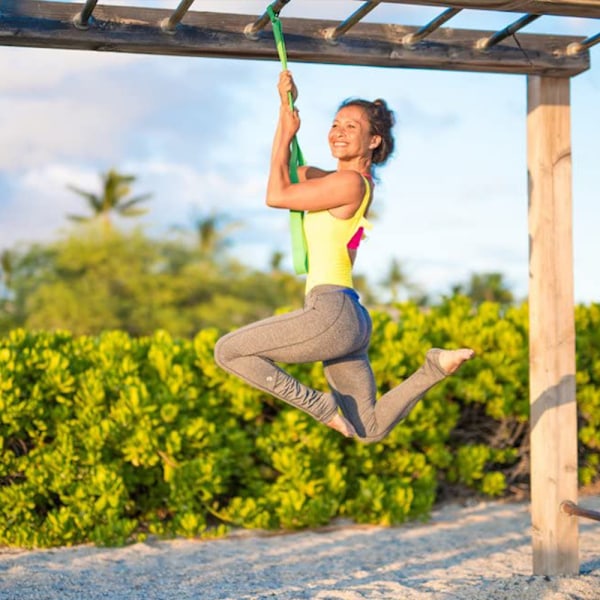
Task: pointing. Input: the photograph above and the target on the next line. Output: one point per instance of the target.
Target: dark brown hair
(381, 119)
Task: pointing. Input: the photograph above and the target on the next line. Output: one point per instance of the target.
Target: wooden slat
(430, 27)
(564, 8)
(552, 328)
(507, 31)
(176, 16)
(137, 30)
(352, 20)
(82, 19)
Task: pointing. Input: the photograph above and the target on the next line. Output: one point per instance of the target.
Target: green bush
(111, 438)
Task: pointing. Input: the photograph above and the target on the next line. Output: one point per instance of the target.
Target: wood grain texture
(33, 23)
(551, 328)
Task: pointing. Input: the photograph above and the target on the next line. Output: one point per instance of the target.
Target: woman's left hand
(287, 86)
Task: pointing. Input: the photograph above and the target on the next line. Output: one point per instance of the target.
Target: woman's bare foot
(450, 360)
(341, 424)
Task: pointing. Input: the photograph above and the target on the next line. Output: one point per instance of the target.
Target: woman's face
(350, 134)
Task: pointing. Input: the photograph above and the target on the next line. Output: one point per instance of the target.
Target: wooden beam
(564, 8)
(128, 29)
(551, 328)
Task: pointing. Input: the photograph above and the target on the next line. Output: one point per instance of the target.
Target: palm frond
(93, 200)
(80, 218)
(136, 200)
(132, 212)
(114, 198)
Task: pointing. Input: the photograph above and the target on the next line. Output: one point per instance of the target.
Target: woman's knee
(374, 438)
(224, 351)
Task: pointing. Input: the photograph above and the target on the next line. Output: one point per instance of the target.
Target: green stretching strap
(299, 250)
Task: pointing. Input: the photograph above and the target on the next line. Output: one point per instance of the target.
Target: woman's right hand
(289, 119)
(286, 85)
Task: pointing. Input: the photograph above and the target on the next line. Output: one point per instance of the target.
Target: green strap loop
(299, 249)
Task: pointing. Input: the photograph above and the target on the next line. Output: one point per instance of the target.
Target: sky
(197, 132)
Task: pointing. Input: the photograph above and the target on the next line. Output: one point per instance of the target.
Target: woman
(333, 327)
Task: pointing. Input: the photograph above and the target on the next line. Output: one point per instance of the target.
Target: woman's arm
(279, 176)
(335, 190)
(317, 189)
(306, 172)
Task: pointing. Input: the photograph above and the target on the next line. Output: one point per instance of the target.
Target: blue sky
(197, 133)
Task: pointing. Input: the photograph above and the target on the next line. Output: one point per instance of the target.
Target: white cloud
(65, 105)
(35, 70)
(37, 130)
(40, 203)
(181, 190)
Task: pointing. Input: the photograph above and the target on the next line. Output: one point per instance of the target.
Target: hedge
(109, 438)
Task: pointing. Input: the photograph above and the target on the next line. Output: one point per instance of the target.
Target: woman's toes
(451, 360)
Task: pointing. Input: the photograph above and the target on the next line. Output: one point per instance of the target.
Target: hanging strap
(299, 250)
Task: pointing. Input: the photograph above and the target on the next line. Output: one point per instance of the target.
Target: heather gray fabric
(335, 329)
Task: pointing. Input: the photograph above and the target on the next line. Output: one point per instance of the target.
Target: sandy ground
(478, 552)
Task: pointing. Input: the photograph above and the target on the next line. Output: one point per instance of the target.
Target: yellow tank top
(327, 238)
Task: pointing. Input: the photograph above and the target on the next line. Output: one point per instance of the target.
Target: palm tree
(396, 280)
(6, 267)
(114, 198)
(214, 232)
(276, 260)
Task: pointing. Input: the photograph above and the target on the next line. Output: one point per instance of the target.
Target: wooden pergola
(548, 61)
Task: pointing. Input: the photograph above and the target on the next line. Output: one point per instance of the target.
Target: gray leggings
(333, 327)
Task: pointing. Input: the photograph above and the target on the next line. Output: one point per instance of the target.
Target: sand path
(479, 552)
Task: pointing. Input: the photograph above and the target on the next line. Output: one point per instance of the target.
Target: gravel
(476, 552)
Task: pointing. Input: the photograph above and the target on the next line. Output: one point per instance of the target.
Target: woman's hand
(286, 85)
(289, 120)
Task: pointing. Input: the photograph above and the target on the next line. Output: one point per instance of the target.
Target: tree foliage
(94, 281)
(100, 278)
(117, 423)
(486, 287)
(109, 438)
(397, 282)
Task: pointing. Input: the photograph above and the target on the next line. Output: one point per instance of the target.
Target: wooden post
(552, 327)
